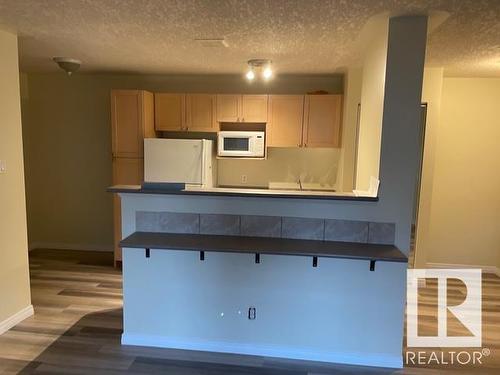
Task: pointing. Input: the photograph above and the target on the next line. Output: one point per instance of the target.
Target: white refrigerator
(180, 161)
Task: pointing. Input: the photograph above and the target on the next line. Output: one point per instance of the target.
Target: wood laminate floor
(78, 322)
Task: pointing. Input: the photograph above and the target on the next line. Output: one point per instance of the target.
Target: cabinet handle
(242, 119)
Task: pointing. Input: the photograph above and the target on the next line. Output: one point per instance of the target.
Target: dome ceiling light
(261, 66)
(68, 64)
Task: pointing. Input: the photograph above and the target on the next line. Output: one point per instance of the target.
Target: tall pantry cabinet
(132, 120)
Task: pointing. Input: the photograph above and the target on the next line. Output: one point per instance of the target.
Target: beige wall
(465, 211)
(347, 159)
(14, 276)
(66, 123)
(282, 165)
(372, 105)
(431, 94)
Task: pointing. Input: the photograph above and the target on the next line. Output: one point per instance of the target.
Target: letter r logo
(468, 312)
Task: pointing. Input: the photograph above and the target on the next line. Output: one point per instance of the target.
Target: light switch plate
(3, 166)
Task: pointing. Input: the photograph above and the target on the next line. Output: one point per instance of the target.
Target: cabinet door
(286, 115)
(200, 113)
(126, 123)
(170, 112)
(228, 108)
(322, 119)
(254, 108)
(148, 117)
(126, 171)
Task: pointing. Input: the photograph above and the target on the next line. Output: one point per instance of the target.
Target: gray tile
(303, 228)
(147, 221)
(382, 233)
(220, 224)
(261, 226)
(346, 230)
(179, 222)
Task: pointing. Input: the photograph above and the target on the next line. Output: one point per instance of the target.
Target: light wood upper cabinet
(170, 112)
(241, 108)
(292, 120)
(181, 112)
(254, 108)
(132, 119)
(148, 109)
(286, 114)
(322, 120)
(228, 108)
(201, 113)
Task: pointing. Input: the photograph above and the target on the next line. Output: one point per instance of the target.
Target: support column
(400, 148)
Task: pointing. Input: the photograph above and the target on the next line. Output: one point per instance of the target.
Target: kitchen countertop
(304, 186)
(244, 192)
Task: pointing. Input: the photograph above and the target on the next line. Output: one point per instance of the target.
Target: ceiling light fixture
(250, 75)
(67, 64)
(261, 65)
(267, 73)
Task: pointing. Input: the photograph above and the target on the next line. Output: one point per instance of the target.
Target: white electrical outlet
(243, 178)
(3, 166)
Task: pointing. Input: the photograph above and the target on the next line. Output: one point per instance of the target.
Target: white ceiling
(300, 36)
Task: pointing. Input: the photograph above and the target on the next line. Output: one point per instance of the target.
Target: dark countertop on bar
(264, 245)
(244, 192)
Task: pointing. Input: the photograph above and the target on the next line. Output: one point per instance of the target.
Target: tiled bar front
(266, 226)
(175, 300)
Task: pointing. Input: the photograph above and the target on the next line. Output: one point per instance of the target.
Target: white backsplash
(313, 165)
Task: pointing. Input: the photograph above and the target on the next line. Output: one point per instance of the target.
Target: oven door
(235, 146)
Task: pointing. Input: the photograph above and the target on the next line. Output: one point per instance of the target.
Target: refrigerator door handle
(203, 161)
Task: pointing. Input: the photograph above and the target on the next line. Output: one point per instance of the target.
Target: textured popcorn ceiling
(301, 36)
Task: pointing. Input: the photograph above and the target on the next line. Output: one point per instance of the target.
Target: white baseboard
(16, 318)
(362, 359)
(487, 269)
(69, 246)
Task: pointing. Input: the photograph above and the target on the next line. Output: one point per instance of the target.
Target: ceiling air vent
(212, 42)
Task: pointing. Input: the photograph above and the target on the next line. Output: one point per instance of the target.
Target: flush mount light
(68, 64)
(260, 65)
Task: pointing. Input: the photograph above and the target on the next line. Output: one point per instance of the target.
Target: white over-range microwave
(241, 144)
